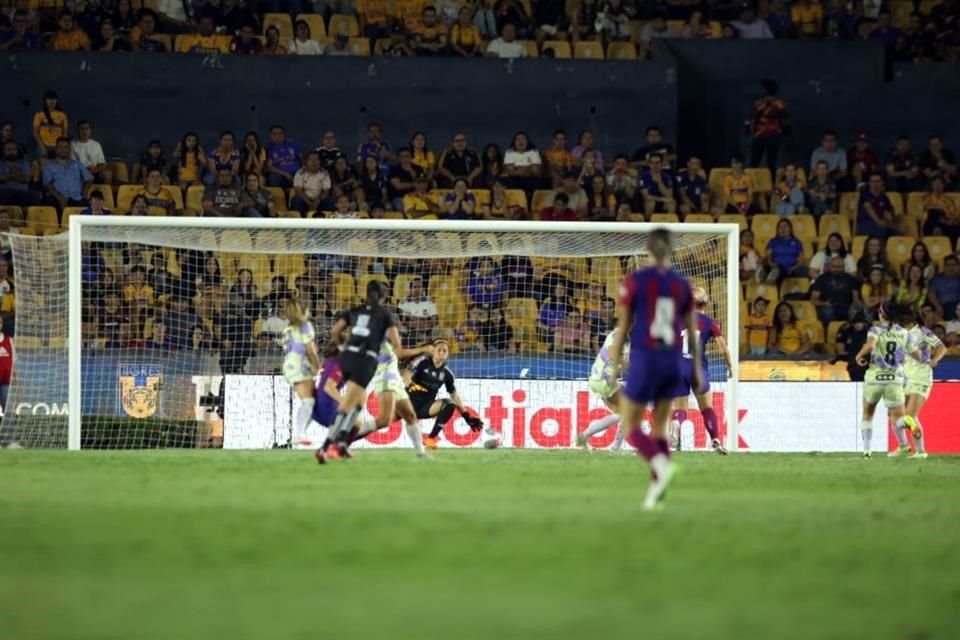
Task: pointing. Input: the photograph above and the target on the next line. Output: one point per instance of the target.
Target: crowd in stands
(910, 30)
(823, 242)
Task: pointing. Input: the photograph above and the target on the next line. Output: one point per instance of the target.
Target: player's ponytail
(376, 292)
(296, 313)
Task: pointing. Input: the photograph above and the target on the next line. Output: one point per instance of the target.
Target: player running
(423, 378)
(919, 374)
(372, 327)
(604, 382)
(707, 329)
(887, 346)
(329, 384)
(655, 305)
(300, 364)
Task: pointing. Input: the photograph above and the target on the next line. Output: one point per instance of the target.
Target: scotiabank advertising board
(547, 414)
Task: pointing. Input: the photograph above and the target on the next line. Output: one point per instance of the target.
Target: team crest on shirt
(139, 386)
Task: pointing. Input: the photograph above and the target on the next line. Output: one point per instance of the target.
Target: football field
(176, 545)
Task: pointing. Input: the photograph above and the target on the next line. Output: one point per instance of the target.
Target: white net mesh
(179, 324)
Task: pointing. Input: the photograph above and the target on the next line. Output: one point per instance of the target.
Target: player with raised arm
(656, 304)
(604, 382)
(707, 329)
(300, 364)
(423, 378)
(371, 328)
(884, 351)
(919, 374)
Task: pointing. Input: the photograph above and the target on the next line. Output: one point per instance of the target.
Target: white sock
(660, 463)
(866, 430)
(900, 431)
(918, 442)
(618, 441)
(369, 425)
(602, 424)
(413, 432)
(302, 419)
(674, 430)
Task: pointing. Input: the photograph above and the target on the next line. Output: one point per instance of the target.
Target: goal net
(162, 332)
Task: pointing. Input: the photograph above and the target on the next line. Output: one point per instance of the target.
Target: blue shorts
(324, 413)
(686, 384)
(652, 377)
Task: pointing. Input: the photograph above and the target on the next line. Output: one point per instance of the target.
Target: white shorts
(604, 389)
(891, 394)
(387, 378)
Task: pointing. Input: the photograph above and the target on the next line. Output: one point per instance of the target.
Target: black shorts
(421, 403)
(358, 368)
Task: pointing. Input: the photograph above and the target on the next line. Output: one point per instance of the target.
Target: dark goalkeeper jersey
(427, 379)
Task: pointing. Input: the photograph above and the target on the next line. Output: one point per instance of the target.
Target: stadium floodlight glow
(53, 266)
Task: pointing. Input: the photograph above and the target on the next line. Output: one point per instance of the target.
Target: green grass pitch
(174, 545)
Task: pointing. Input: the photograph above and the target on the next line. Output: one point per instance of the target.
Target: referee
(423, 378)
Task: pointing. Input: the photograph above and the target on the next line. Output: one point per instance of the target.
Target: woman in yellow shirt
(190, 157)
(423, 157)
(788, 337)
(877, 289)
(464, 37)
(50, 124)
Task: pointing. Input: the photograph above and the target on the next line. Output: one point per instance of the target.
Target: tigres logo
(140, 389)
(416, 388)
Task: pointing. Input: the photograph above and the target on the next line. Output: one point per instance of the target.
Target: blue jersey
(707, 330)
(325, 408)
(658, 301)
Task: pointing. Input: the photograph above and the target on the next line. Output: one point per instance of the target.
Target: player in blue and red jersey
(707, 329)
(656, 305)
(329, 385)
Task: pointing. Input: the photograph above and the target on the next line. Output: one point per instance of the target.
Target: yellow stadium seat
(482, 243)
(283, 24)
(27, 342)
(856, 248)
(801, 175)
(915, 204)
(344, 291)
(561, 49)
(814, 327)
(195, 199)
(70, 211)
(898, 250)
(804, 226)
(768, 291)
(621, 51)
(716, 29)
(315, 21)
(588, 51)
(287, 262)
(735, 218)
(236, 240)
(794, 286)
(939, 247)
(762, 181)
(125, 195)
(517, 198)
(831, 341)
(715, 179)
(661, 218)
(848, 204)
(531, 46)
(805, 311)
(675, 25)
(604, 268)
(401, 288)
(107, 191)
(360, 46)
(121, 175)
(43, 220)
(636, 27)
(342, 23)
(834, 223)
(699, 217)
(764, 225)
(523, 308)
(14, 213)
(394, 215)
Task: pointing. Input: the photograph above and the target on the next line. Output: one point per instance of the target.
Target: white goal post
(332, 236)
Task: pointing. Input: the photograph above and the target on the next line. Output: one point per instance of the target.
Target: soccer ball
(492, 443)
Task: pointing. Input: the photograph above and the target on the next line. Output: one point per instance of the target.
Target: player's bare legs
(866, 427)
(678, 417)
(914, 406)
(655, 449)
(411, 425)
(301, 421)
(898, 418)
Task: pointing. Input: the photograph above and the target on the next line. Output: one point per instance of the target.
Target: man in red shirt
(769, 125)
(559, 211)
(861, 160)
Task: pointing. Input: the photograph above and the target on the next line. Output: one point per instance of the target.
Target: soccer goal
(161, 332)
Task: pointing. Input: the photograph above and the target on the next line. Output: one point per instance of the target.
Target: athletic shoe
(423, 455)
(582, 442)
(657, 488)
(320, 456)
(344, 452)
(867, 454)
(899, 452)
(913, 425)
(718, 447)
(430, 443)
(920, 455)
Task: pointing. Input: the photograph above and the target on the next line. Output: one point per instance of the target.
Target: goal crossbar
(142, 229)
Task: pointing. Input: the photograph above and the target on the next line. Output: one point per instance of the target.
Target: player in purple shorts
(707, 329)
(656, 305)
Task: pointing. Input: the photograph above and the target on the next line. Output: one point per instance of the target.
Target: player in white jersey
(919, 374)
(884, 352)
(604, 382)
(300, 365)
